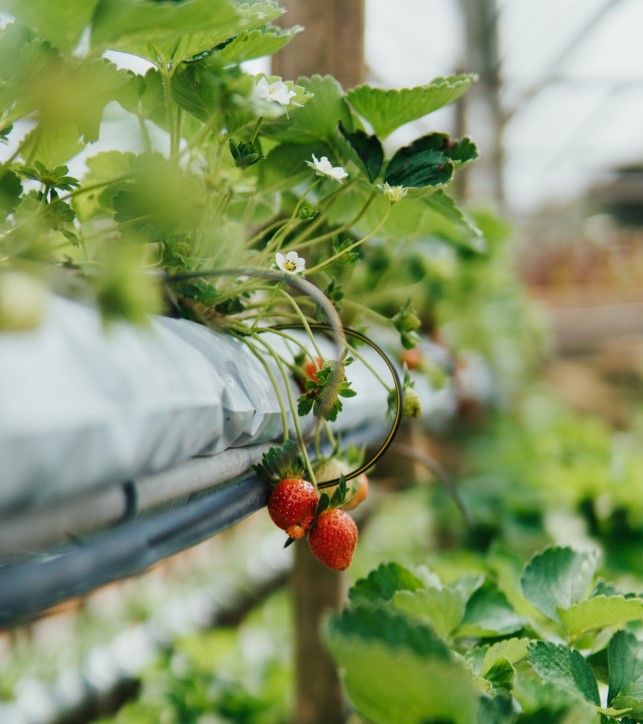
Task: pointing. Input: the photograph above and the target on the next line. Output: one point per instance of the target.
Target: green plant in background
(415, 649)
(539, 473)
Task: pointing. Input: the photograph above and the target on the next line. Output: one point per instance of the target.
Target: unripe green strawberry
(292, 505)
(23, 301)
(330, 469)
(332, 538)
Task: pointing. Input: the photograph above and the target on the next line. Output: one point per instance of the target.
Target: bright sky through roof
(573, 73)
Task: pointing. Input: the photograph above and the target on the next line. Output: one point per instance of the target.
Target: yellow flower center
(290, 265)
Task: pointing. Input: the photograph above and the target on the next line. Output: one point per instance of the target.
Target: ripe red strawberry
(292, 506)
(332, 538)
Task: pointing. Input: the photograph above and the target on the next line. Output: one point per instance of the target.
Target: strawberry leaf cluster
(485, 656)
(323, 392)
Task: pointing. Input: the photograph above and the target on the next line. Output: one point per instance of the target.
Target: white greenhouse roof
(572, 74)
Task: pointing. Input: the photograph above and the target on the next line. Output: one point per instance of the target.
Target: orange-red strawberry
(292, 505)
(332, 538)
(311, 368)
(360, 487)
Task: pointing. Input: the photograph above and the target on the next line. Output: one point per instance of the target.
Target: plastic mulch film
(84, 407)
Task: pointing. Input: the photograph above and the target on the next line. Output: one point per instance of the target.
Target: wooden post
(316, 592)
(332, 42)
(479, 111)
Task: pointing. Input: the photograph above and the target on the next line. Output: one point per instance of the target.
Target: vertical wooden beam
(480, 110)
(332, 42)
(316, 592)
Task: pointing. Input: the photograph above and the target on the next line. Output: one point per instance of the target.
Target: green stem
(277, 240)
(350, 248)
(255, 131)
(171, 120)
(340, 229)
(267, 306)
(293, 408)
(212, 122)
(367, 310)
(304, 321)
(369, 367)
(330, 435)
(282, 406)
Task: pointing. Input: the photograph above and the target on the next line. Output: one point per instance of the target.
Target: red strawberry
(332, 538)
(292, 506)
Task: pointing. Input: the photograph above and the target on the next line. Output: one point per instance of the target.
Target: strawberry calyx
(322, 392)
(338, 498)
(281, 463)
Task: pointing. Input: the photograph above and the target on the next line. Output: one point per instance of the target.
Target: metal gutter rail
(31, 586)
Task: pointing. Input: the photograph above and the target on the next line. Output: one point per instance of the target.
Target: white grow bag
(83, 408)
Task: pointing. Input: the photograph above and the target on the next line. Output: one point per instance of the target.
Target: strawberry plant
(147, 171)
(558, 645)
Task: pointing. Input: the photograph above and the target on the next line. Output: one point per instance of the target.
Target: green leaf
(285, 167)
(144, 95)
(448, 221)
(383, 582)
(488, 613)
(317, 120)
(428, 161)
(625, 662)
(387, 110)
(544, 702)
(383, 623)
(10, 191)
(511, 650)
(396, 671)
(443, 609)
(164, 32)
(436, 215)
(600, 612)
(61, 22)
(424, 168)
(497, 710)
(256, 43)
(564, 667)
(558, 578)
(501, 674)
(368, 149)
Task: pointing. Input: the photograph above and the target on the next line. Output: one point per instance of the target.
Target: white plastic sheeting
(84, 407)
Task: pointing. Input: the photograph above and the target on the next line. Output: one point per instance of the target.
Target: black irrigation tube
(29, 587)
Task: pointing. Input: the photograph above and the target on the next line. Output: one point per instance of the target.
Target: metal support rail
(30, 585)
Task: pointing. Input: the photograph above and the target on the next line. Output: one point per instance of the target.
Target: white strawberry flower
(290, 262)
(323, 167)
(275, 92)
